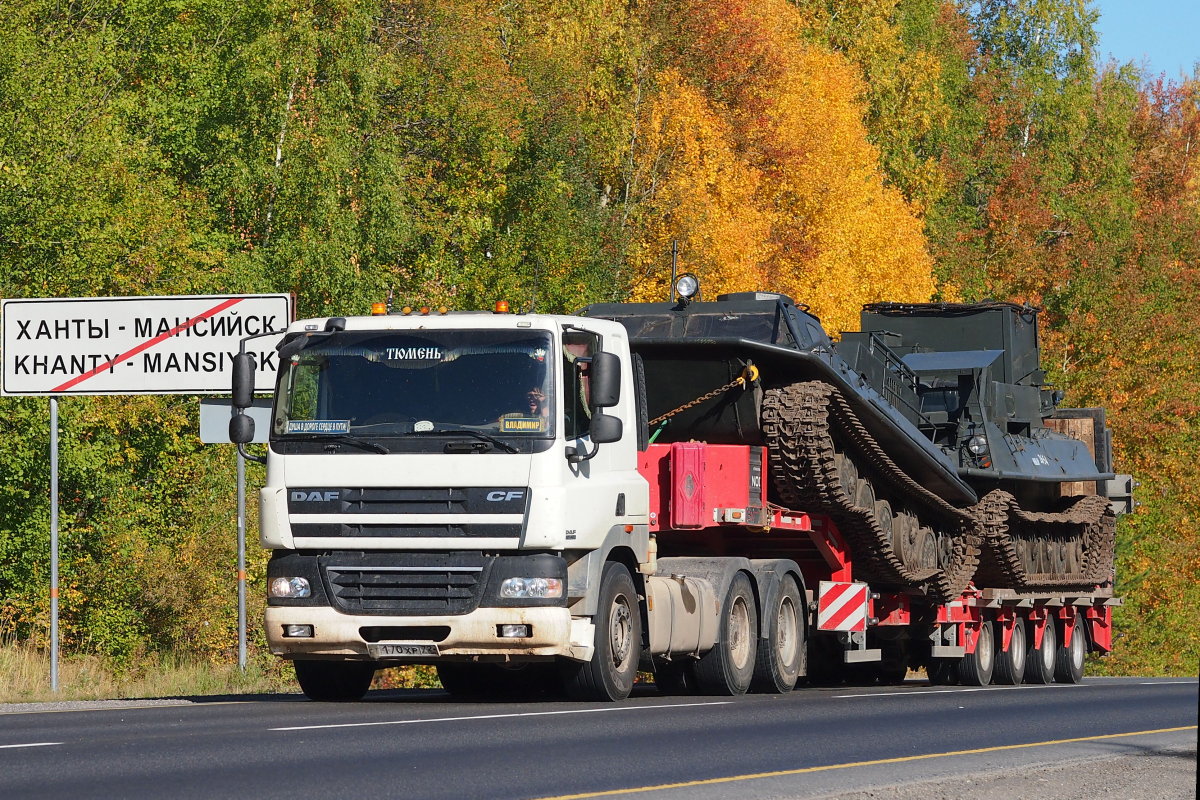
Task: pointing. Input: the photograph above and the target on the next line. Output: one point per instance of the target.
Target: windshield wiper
(357, 441)
(483, 437)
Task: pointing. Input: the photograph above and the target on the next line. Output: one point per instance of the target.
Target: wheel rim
(1016, 645)
(1077, 647)
(620, 631)
(739, 633)
(984, 648)
(786, 644)
(1048, 647)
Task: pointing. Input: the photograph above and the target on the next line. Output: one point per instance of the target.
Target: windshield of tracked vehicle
(413, 383)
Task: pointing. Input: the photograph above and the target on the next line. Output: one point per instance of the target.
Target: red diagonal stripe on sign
(832, 592)
(853, 606)
(78, 379)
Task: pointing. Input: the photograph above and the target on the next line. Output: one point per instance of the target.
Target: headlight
(291, 588)
(687, 286)
(978, 445)
(531, 587)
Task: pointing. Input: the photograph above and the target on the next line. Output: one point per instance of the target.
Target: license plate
(385, 650)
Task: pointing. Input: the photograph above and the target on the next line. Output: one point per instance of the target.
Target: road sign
(138, 345)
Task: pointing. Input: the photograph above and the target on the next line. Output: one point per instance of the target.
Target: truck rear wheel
(334, 681)
(728, 668)
(1010, 665)
(610, 674)
(1039, 663)
(1068, 662)
(976, 668)
(782, 654)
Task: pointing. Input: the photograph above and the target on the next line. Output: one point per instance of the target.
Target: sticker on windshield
(431, 353)
(318, 426)
(518, 424)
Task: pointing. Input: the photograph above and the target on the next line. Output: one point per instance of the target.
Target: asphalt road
(420, 744)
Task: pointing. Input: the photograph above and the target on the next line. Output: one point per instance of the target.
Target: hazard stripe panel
(842, 606)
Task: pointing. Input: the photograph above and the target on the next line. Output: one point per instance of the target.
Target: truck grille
(444, 584)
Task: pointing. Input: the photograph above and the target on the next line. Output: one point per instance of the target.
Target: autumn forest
(550, 153)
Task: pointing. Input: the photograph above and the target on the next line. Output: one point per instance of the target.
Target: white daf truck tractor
(707, 491)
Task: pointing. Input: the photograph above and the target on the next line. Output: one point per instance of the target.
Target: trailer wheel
(976, 668)
(334, 681)
(778, 664)
(1010, 666)
(610, 674)
(1068, 662)
(728, 668)
(1039, 663)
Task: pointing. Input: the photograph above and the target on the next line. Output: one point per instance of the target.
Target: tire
(1039, 661)
(782, 647)
(1010, 665)
(976, 668)
(728, 668)
(334, 681)
(610, 674)
(1068, 661)
(943, 671)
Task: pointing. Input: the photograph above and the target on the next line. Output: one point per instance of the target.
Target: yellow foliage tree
(692, 187)
(791, 117)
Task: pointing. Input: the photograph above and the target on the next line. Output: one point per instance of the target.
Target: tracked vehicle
(929, 436)
(712, 491)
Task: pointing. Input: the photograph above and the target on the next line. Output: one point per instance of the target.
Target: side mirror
(243, 381)
(241, 428)
(605, 383)
(605, 429)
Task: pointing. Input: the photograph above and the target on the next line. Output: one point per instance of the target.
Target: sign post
(214, 429)
(135, 345)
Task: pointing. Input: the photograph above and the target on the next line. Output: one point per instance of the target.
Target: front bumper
(338, 635)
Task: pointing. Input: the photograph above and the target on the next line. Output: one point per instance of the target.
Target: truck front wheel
(728, 668)
(610, 673)
(334, 681)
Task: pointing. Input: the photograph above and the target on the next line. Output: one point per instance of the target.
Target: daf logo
(315, 496)
(496, 497)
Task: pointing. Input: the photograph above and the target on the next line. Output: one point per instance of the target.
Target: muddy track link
(1046, 551)
(802, 421)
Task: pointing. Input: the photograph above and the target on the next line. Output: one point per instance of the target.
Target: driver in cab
(535, 418)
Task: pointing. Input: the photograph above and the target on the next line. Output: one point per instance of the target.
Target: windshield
(373, 384)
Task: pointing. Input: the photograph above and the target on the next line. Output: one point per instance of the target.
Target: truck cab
(448, 487)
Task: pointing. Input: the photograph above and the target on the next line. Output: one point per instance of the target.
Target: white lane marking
(31, 744)
(182, 704)
(1166, 683)
(917, 693)
(500, 716)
